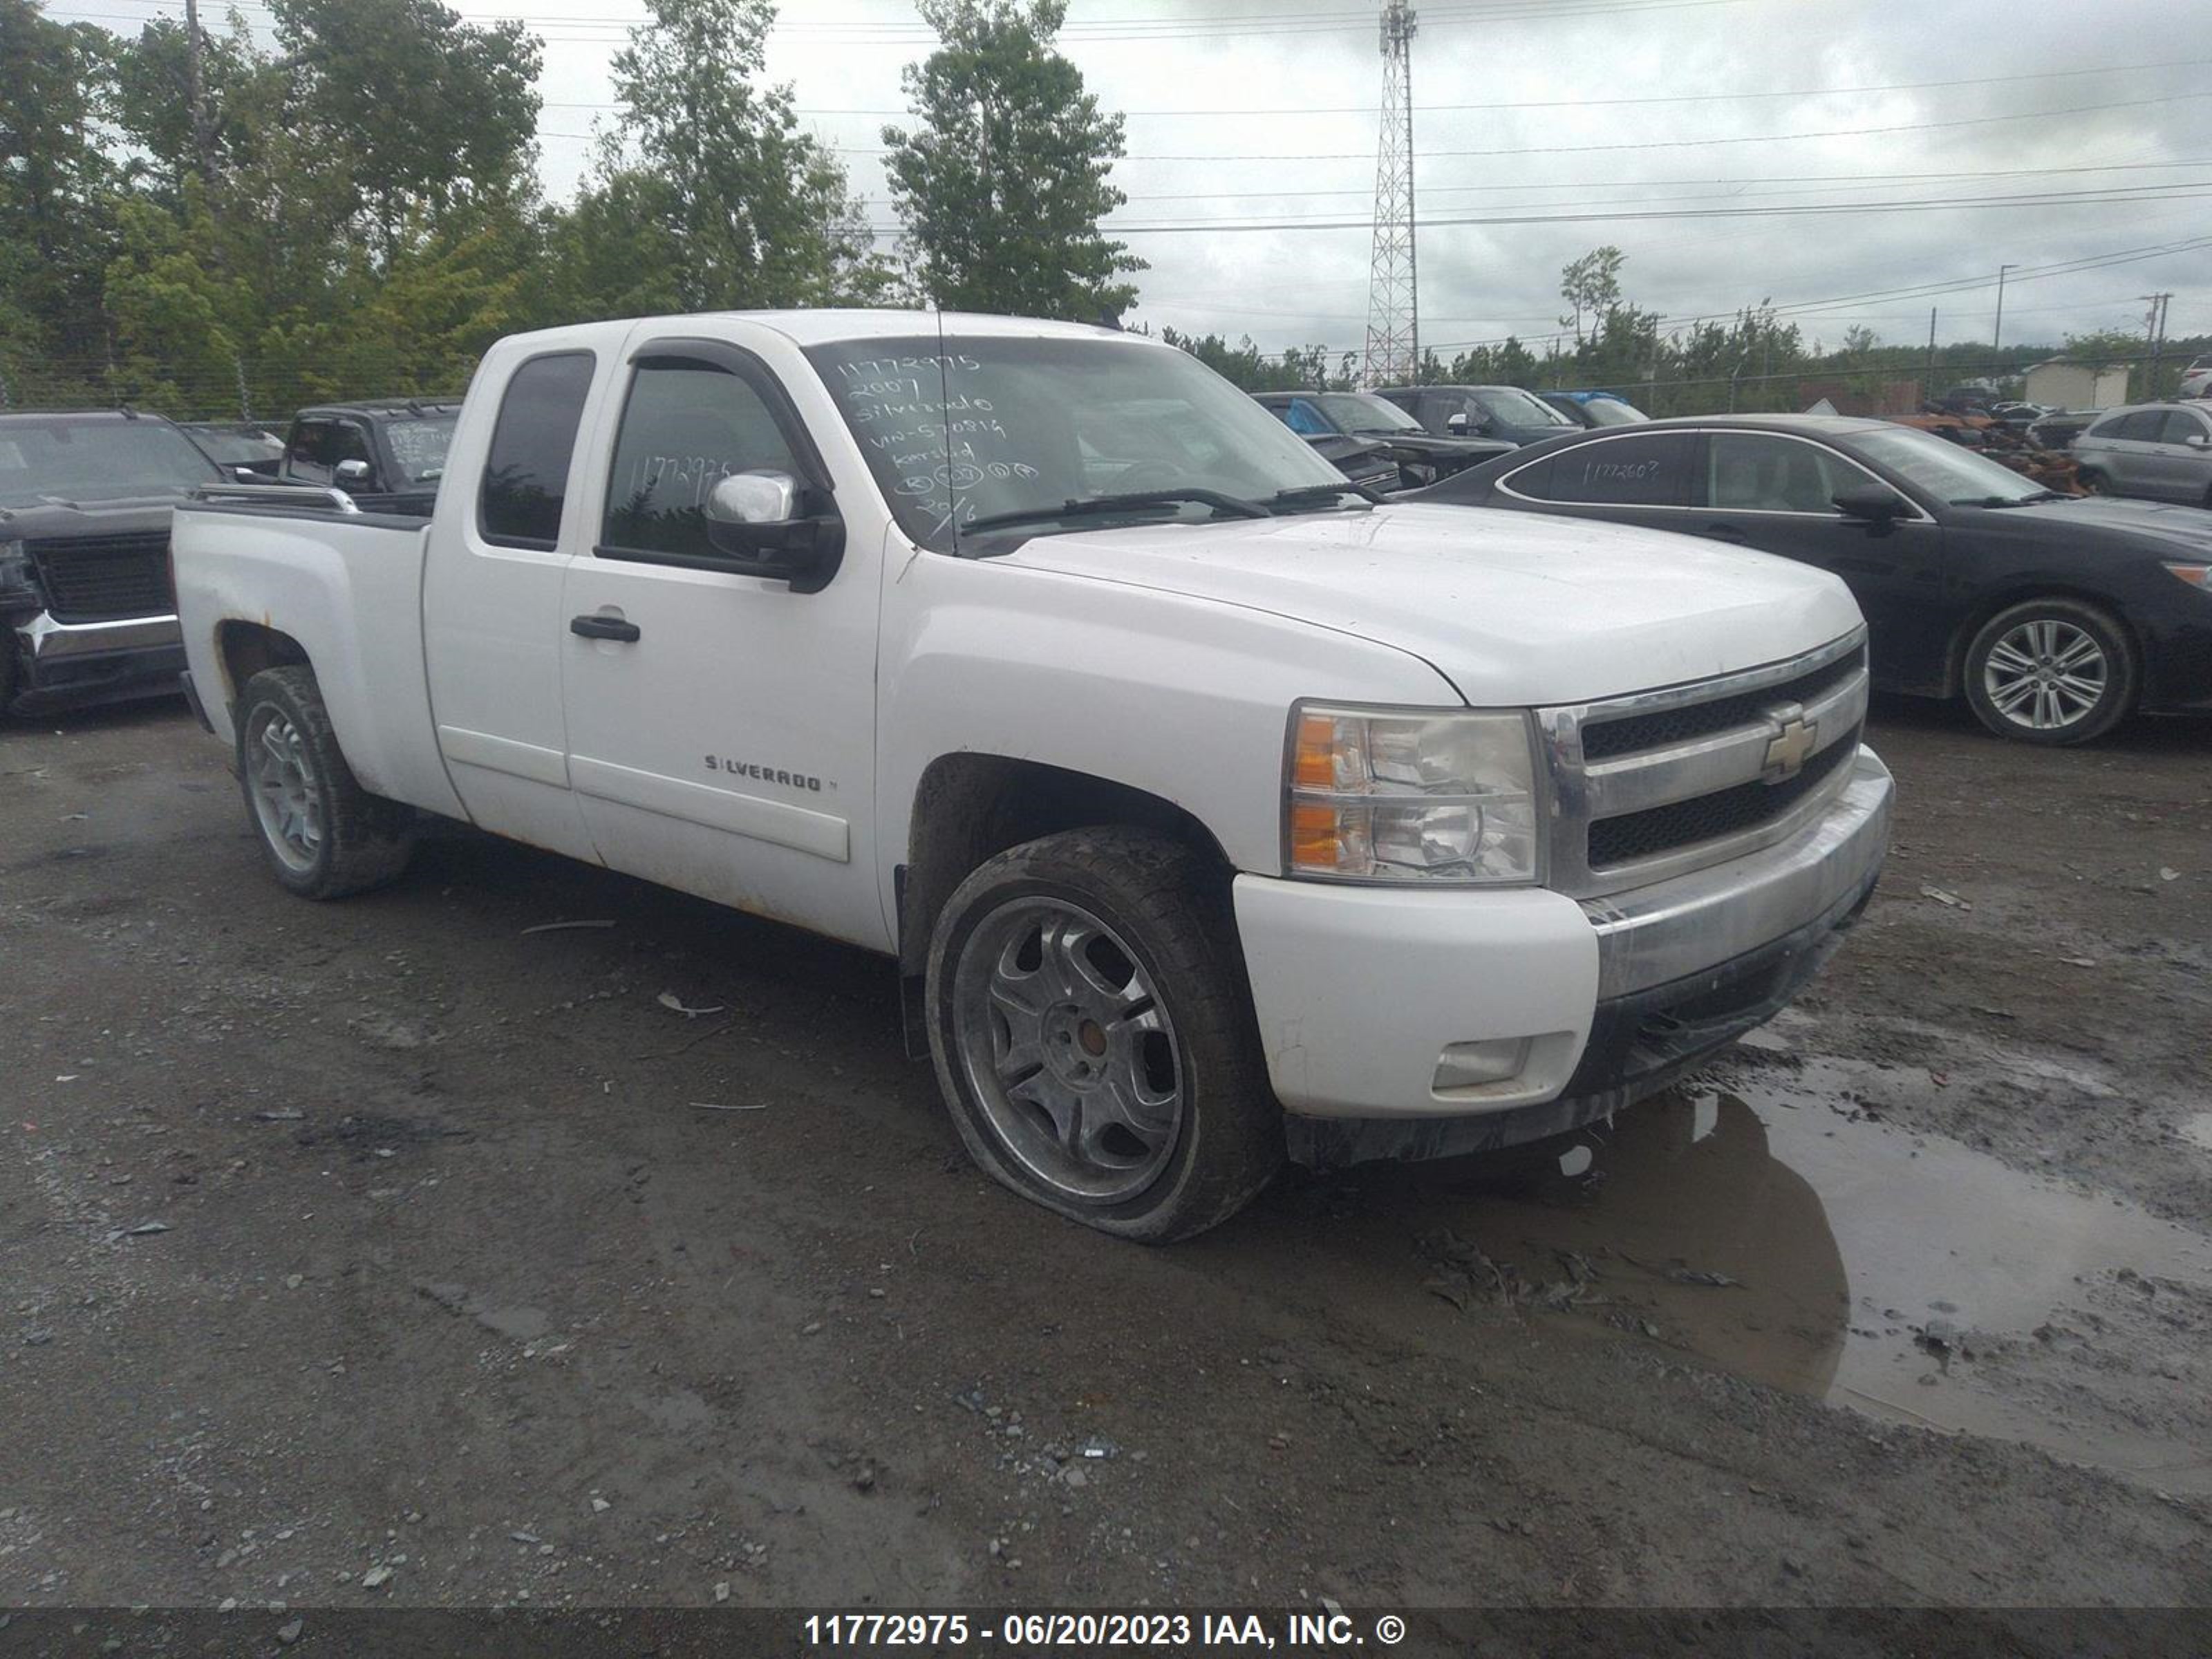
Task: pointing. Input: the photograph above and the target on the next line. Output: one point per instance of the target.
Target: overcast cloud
(1480, 282)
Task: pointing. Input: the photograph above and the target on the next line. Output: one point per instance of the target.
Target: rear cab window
(525, 476)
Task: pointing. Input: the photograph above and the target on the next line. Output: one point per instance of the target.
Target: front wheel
(323, 835)
(2054, 672)
(2093, 484)
(1093, 1035)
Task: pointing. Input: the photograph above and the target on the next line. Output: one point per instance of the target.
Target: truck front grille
(1652, 786)
(1634, 835)
(101, 578)
(1624, 734)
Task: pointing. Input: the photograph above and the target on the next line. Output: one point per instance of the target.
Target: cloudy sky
(1263, 112)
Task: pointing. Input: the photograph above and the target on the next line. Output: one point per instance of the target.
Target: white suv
(2197, 379)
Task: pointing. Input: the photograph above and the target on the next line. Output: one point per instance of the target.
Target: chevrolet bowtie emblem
(1787, 749)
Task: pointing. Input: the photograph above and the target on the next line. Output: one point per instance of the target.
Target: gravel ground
(390, 1253)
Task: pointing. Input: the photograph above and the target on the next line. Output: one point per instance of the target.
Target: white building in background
(2076, 386)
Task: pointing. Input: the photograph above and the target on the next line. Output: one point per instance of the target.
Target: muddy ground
(466, 1292)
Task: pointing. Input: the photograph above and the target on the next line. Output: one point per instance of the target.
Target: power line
(1666, 144)
(1310, 110)
(2191, 190)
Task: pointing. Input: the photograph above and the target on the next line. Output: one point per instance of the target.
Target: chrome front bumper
(41, 639)
(1672, 929)
(77, 665)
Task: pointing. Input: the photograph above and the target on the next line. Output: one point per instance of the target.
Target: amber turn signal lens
(1317, 753)
(1314, 840)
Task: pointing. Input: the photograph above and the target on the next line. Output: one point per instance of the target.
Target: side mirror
(352, 472)
(1876, 507)
(1456, 424)
(2197, 441)
(758, 522)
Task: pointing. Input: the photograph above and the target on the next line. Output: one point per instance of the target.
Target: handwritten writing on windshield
(935, 439)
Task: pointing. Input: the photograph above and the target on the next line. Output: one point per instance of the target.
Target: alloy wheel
(287, 803)
(1067, 1049)
(2046, 675)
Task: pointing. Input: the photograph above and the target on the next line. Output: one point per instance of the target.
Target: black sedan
(2054, 615)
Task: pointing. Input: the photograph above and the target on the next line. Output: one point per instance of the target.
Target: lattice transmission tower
(1394, 323)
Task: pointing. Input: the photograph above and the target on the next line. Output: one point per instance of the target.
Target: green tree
(56, 228)
(707, 195)
(414, 109)
(1002, 182)
(1589, 285)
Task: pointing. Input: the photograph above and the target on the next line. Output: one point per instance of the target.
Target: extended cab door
(721, 726)
(501, 542)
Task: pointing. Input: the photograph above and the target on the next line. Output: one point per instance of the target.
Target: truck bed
(348, 587)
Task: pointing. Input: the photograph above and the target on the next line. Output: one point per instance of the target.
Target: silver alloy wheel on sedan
(1069, 1049)
(287, 802)
(2047, 674)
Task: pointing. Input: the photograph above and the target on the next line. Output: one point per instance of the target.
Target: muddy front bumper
(60, 664)
(1360, 994)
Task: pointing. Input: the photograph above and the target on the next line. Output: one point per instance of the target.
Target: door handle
(605, 628)
(1723, 533)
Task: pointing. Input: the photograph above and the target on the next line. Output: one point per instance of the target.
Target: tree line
(205, 224)
(1756, 360)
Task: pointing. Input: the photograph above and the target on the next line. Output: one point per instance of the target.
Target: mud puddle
(1776, 1227)
(1772, 1222)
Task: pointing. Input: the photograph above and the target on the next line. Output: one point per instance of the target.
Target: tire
(321, 834)
(1111, 955)
(2019, 683)
(2093, 483)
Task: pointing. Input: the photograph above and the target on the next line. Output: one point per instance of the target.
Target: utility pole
(195, 94)
(1929, 395)
(1996, 334)
(1394, 328)
(2155, 328)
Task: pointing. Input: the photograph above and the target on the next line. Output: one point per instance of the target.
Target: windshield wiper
(2013, 501)
(1319, 495)
(1082, 506)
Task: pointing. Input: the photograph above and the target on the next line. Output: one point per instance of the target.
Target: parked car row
(1431, 432)
(87, 614)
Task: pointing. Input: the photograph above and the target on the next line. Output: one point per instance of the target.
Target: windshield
(1611, 411)
(1517, 408)
(418, 445)
(97, 459)
(1363, 411)
(229, 445)
(1943, 469)
(991, 424)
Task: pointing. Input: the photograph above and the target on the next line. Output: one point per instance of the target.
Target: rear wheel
(2053, 670)
(323, 835)
(1093, 1035)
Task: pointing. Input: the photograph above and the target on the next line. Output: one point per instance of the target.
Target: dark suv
(1505, 413)
(388, 457)
(87, 614)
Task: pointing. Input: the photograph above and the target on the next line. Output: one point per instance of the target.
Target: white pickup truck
(1210, 809)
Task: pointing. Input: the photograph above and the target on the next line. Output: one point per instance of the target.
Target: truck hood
(56, 518)
(1512, 608)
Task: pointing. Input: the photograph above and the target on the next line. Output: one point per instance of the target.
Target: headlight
(1381, 795)
(15, 571)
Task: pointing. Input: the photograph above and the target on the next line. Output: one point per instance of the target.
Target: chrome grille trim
(1584, 791)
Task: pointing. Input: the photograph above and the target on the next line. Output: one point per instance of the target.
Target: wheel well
(968, 808)
(1955, 670)
(246, 648)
